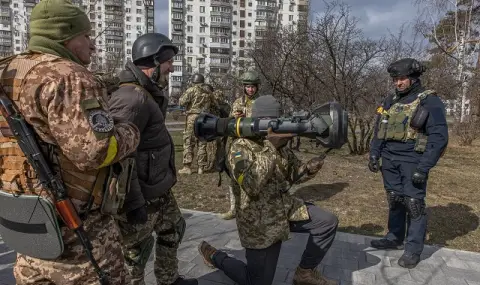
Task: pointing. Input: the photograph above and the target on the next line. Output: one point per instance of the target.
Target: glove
(373, 164)
(419, 177)
(315, 164)
(278, 140)
(137, 216)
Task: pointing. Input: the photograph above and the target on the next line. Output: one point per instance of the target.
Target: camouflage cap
(58, 20)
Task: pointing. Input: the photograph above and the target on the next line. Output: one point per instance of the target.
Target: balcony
(114, 3)
(220, 24)
(220, 64)
(219, 13)
(219, 45)
(220, 3)
(177, 21)
(175, 83)
(266, 8)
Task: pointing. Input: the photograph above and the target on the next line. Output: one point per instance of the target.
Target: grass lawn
(346, 187)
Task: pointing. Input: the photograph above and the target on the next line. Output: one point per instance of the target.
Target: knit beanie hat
(266, 106)
(58, 20)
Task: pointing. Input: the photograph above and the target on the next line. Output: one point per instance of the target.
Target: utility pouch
(421, 143)
(117, 186)
(29, 225)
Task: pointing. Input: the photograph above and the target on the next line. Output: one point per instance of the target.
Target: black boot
(385, 244)
(181, 281)
(409, 260)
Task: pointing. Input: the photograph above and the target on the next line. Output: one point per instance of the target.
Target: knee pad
(139, 255)
(394, 200)
(415, 207)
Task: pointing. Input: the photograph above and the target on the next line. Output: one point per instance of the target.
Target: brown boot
(310, 277)
(207, 251)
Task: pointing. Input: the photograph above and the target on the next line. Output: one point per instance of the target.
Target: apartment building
(115, 26)
(215, 35)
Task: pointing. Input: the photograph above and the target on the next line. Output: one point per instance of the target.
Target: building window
(190, 29)
(242, 14)
(242, 33)
(202, 50)
(242, 24)
(139, 11)
(202, 40)
(139, 20)
(202, 9)
(290, 18)
(202, 19)
(189, 18)
(189, 59)
(190, 49)
(291, 8)
(190, 40)
(202, 29)
(129, 51)
(129, 19)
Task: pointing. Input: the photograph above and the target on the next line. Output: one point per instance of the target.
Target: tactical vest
(17, 176)
(394, 123)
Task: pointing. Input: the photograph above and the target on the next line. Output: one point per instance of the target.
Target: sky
(376, 17)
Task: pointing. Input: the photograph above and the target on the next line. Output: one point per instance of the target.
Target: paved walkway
(350, 260)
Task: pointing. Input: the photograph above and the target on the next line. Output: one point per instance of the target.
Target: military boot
(182, 281)
(409, 260)
(386, 244)
(310, 277)
(185, 170)
(228, 215)
(207, 251)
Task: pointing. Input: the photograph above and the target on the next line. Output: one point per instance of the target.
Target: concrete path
(350, 260)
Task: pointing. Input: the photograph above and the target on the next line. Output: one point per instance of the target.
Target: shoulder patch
(100, 121)
(380, 110)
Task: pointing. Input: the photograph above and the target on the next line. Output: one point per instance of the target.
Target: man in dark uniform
(410, 136)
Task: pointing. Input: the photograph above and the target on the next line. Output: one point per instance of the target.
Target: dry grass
(347, 188)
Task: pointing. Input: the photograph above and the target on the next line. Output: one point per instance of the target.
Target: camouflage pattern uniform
(196, 99)
(244, 105)
(164, 218)
(219, 100)
(53, 100)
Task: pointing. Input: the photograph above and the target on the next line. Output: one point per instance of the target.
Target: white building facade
(215, 35)
(115, 26)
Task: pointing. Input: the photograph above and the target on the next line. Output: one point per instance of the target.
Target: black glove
(373, 164)
(419, 177)
(137, 216)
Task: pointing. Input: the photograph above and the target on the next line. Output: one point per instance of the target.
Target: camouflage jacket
(264, 207)
(66, 105)
(243, 104)
(197, 99)
(220, 108)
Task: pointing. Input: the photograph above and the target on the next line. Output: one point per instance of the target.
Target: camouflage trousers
(73, 267)
(212, 148)
(189, 142)
(165, 219)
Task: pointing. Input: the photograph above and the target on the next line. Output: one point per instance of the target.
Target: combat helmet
(250, 78)
(198, 78)
(151, 45)
(408, 67)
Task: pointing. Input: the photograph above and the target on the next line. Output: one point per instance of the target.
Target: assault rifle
(25, 136)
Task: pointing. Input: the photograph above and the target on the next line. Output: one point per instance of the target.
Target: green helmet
(250, 77)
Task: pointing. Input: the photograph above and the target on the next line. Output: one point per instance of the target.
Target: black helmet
(152, 46)
(198, 78)
(406, 67)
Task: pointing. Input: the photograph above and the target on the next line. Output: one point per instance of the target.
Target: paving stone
(350, 260)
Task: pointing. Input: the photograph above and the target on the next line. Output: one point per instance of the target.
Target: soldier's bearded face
(82, 47)
(250, 90)
(401, 83)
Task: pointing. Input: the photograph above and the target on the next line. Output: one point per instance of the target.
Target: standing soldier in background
(65, 104)
(221, 109)
(140, 100)
(242, 107)
(196, 99)
(411, 133)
